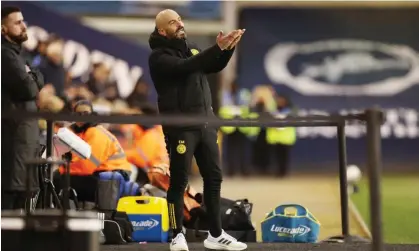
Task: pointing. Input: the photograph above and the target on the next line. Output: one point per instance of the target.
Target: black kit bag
(117, 228)
(235, 220)
(235, 215)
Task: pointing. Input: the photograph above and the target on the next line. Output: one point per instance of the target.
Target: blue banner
(204, 10)
(84, 46)
(338, 60)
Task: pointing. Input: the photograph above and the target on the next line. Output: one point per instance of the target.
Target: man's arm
(172, 65)
(220, 63)
(231, 39)
(38, 77)
(20, 83)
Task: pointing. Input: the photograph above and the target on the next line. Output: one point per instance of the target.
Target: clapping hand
(229, 41)
(237, 40)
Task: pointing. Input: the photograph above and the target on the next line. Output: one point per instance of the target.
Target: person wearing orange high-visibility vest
(107, 155)
(149, 147)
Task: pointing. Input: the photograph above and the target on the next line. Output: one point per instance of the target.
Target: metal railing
(372, 117)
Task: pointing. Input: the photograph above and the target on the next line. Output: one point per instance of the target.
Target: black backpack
(235, 216)
(117, 228)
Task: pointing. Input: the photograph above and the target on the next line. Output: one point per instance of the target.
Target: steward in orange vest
(107, 154)
(149, 148)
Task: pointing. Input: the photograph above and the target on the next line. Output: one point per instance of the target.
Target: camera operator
(21, 85)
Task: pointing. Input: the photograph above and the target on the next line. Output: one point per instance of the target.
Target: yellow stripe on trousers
(172, 213)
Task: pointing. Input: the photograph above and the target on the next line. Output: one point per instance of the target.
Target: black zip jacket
(20, 138)
(178, 70)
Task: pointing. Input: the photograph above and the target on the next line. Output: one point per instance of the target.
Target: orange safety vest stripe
(101, 146)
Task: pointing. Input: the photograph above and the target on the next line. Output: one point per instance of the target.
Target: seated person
(107, 155)
(148, 147)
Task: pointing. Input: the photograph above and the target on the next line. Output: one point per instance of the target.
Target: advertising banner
(84, 46)
(338, 60)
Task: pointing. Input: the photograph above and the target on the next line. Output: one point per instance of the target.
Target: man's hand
(236, 41)
(225, 41)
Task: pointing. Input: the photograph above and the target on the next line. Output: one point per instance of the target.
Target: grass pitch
(400, 207)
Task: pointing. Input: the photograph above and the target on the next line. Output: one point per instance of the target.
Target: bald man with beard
(178, 69)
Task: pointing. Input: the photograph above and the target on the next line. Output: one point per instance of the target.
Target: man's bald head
(170, 25)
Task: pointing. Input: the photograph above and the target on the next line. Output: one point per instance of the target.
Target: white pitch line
(354, 210)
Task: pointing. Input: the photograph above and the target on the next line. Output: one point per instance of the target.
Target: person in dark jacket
(52, 67)
(20, 87)
(178, 69)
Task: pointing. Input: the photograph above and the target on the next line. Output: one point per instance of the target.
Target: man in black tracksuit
(178, 70)
(20, 86)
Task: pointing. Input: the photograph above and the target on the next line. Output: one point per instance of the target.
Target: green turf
(400, 201)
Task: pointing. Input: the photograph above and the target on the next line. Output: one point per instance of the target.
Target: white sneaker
(224, 242)
(179, 243)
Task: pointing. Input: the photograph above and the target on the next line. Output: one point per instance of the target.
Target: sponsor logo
(78, 59)
(290, 232)
(144, 225)
(343, 67)
(400, 123)
(194, 51)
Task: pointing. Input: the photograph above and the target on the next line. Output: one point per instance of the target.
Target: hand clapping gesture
(229, 41)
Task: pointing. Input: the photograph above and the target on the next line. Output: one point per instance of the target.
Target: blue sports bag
(290, 223)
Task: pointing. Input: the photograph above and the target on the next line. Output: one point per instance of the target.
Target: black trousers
(85, 186)
(182, 146)
(14, 200)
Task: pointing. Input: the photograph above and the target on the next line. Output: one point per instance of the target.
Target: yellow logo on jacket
(194, 51)
(181, 148)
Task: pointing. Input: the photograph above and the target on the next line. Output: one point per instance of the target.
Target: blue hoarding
(204, 10)
(338, 60)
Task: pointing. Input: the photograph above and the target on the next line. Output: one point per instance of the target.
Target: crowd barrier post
(374, 118)
(343, 182)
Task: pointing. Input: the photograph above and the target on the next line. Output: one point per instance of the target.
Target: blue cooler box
(149, 217)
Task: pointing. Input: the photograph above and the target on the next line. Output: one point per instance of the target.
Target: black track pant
(13, 200)
(182, 146)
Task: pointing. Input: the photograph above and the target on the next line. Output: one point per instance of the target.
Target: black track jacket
(20, 138)
(178, 70)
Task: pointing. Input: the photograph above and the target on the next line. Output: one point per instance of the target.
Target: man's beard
(19, 39)
(177, 35)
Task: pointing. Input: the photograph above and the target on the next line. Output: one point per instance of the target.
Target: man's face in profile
(173, 27)
(14, 27)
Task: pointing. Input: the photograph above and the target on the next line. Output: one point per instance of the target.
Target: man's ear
(161, 32)
(3, 30)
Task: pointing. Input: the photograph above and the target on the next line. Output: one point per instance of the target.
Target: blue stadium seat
(131, 189)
